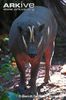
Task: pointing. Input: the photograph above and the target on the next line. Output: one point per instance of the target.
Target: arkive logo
(17, 6)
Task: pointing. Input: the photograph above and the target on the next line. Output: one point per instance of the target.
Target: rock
(63, 71)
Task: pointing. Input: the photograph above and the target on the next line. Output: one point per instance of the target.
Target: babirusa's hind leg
(48, 59)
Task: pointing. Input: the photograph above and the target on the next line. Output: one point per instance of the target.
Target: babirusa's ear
(41, 27)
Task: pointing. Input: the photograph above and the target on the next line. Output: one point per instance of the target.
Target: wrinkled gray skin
(45, 27)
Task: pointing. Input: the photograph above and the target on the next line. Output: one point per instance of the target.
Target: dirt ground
(54, 90)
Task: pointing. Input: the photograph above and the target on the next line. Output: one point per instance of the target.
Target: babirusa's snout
(32, 50)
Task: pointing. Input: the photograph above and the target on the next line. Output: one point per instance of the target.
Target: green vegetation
(7, 70)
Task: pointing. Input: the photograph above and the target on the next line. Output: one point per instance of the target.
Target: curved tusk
(24, 41)
(48, 30)
(31, 33)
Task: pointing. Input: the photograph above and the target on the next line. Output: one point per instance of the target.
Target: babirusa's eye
(20, 29)
(41, 27)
